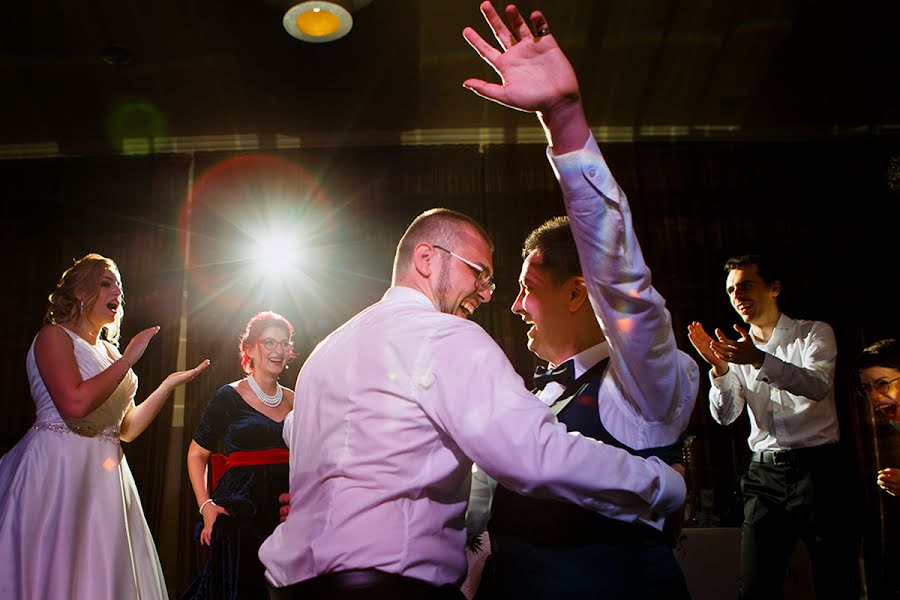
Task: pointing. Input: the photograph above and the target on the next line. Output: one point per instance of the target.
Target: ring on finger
(545, 30)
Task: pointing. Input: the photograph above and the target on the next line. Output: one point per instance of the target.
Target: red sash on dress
(221, 463)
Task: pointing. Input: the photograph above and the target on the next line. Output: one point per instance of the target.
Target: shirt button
(592, 173)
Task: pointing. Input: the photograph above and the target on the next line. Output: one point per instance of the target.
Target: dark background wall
(825, 207)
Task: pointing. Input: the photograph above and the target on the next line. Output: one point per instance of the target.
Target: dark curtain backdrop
(824, 207)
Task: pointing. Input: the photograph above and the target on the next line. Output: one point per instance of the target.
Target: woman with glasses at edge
(241, 510)
(879, 381)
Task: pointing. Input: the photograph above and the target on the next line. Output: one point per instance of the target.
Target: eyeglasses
(881, 386)
(271, 344)
(484, 281)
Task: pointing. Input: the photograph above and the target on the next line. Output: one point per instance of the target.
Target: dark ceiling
(219, 70)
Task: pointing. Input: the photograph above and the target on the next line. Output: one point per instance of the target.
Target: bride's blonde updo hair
(84, 276)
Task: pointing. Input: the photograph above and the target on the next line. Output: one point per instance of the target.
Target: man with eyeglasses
(797, 485)
(394, 408)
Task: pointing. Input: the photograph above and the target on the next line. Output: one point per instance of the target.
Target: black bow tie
(563, 374)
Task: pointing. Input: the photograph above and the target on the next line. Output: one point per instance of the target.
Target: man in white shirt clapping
(798, 484)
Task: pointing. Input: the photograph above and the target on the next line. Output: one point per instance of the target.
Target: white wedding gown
(71, 524)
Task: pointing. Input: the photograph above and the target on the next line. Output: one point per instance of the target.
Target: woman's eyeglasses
(881, 386)
(271, 344)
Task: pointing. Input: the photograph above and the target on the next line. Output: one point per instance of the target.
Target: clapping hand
(741, 351)
(182, 377)
(889, 481)
(702, 342)
(135, 349)
(718, 353)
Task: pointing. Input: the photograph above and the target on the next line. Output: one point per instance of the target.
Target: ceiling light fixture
(319, 21)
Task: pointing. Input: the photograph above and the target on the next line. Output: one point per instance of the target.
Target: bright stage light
(276, 254)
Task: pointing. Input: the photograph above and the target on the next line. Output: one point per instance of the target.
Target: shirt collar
(784, 323)
(589, 357)
(403, 293)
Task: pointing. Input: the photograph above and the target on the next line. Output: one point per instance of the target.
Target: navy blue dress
(250, 494)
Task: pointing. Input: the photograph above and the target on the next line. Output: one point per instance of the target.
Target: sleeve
(481, 497)
(814, 377)
(517, 440)
(726, 396)
(215, 418)
(657, 380)
(287, 428)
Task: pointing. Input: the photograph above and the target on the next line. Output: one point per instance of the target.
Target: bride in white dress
(71, 524)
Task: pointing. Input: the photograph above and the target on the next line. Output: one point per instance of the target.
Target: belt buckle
(781, 457)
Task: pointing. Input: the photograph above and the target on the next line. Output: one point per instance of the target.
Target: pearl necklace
(272, 401)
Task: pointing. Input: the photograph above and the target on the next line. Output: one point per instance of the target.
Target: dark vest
(554, 522)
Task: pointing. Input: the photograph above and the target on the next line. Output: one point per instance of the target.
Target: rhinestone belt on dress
(108, 434)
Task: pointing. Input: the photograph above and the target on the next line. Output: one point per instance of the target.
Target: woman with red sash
(242, 508)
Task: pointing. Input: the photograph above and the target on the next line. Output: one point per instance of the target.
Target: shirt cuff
(672, 489)
(583, 172)
(719, 382)
(770, 368)
(287, 428)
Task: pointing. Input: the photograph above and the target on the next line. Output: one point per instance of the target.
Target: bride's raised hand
(181, 377)
(135, 349)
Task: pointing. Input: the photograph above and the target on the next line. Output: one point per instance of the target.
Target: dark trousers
(813, 499)
(366, 584)
(635, 570)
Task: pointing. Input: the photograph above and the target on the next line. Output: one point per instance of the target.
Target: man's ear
(423, 259)
(776, 288)
(578, 295)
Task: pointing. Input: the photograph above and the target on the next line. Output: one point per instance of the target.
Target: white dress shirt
(581, 362)
(649, 390)
(791, 397)
(481, 497)
(392, 409)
